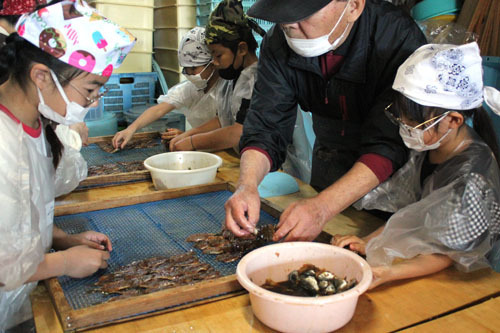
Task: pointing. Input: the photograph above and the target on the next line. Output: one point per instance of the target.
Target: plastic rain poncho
(198, 106)
(230, 95)
(28, 185)
(456, 213)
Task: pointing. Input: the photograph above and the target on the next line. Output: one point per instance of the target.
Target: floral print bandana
(78, 35)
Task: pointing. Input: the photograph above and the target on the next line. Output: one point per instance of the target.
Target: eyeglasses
(90, 101)
(184, 71)
(399, 122)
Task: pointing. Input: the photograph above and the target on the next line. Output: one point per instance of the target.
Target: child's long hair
(16, 60)
(482, 124)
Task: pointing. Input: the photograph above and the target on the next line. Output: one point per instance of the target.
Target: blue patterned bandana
(446, 76)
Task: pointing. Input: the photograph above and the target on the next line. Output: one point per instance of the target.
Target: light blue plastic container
(106, 125)
(427, 9)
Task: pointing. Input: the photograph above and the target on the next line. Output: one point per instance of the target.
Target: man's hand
(242, 211)
(302, 221)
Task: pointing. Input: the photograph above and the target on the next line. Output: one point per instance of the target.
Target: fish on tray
(107, 146)
(105, 169)
(228, 247)
(132, 166)
(118, 167)
(154, 274)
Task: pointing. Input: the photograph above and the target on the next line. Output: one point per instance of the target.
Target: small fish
(198, 237)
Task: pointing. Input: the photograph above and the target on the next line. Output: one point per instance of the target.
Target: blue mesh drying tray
(95, 156)
(157, 224)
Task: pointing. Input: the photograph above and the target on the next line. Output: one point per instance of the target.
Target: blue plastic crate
(127, 90)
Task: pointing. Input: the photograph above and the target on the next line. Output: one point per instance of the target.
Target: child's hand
(121, 138)
(83, 131)
(171, 133)
(350, 242)
(184, 144)
(380, 276)
(81, 261)
(93, 239)
(174, 141)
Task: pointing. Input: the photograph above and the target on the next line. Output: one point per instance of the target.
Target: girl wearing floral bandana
(229, 38)
(445, 199)
(50, 73)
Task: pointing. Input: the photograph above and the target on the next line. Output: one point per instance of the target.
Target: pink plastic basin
(302, 314)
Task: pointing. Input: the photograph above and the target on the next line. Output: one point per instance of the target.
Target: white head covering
(193, 51)
(78, 35)
(446, 76)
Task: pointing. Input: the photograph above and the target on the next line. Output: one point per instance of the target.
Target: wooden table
(446, 301)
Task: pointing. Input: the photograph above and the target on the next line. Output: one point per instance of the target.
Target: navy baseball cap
(285, 11)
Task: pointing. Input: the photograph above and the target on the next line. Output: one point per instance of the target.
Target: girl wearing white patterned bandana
(51, 71)
(445, 199)
(195, 97)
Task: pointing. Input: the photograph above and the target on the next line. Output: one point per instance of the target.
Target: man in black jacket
(336, 59)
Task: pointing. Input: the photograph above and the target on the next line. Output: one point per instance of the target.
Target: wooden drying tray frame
(112, 179)
(157, 302)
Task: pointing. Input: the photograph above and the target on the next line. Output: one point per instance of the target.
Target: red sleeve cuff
(380, 165)
(260, 150)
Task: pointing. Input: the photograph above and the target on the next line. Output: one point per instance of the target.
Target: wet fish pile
(105, 169)
(154, 274)
(309, 280)
(132, 166)
(112, 168)
(107, 146)
(227, 246)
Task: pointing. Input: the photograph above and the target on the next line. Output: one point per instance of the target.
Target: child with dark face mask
(229, 38)
(445, 199)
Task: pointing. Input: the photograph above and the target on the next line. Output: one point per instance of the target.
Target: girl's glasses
(92, 100)
(399, 122)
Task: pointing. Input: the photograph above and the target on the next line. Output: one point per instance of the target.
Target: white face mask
(414, 137)
(317, 46)
(75, 113)
(197, 80)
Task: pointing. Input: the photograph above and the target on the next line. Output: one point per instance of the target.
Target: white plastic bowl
(302, 314)
(183, 168)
